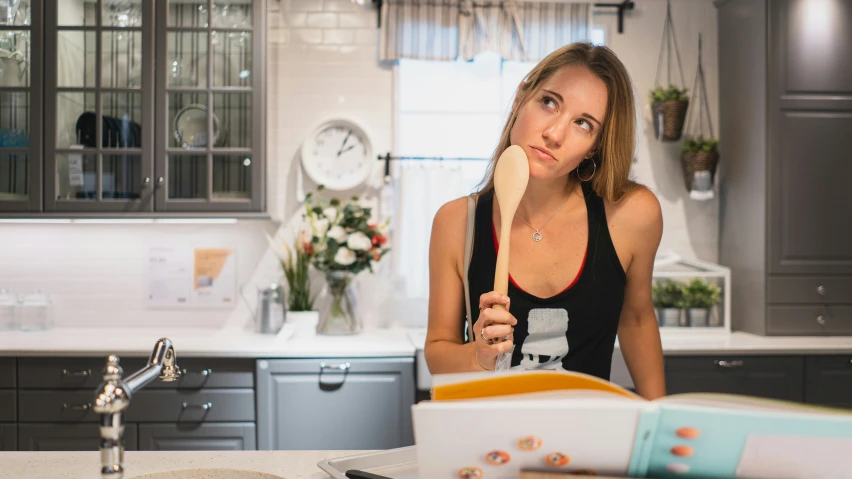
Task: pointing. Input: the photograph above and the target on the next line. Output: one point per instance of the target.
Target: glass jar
(35, 312)
(8, 305)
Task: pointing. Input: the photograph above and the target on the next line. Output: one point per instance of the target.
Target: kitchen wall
(322, 62)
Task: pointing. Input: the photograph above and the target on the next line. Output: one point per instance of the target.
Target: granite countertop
(51, 465)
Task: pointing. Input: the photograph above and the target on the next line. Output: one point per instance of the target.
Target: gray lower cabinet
(335, 404)
(8, 437)
(778, 377)
(828, 380)
(198, 437)
(67, 437)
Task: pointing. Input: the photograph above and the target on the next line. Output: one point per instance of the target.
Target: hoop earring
(595, 165)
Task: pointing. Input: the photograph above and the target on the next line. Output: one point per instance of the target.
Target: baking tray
(398, 463)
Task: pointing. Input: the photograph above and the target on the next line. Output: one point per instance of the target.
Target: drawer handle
(729, 364)
(205, 406)
(343, 366)
(77, 374)
(820, 320)
(205, 372)
(821, 290)
(77, 407)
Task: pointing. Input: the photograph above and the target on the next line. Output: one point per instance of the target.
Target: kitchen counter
(51, 465)
(204, 343)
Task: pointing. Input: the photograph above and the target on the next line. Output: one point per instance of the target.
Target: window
(449, 110)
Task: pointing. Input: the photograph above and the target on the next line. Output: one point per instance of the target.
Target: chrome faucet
(113, 397)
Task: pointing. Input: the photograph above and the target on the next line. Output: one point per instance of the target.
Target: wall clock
(338, 154)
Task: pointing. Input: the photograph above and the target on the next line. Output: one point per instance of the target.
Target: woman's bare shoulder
(449, 225)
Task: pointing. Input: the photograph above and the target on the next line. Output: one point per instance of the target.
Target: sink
(208, 474)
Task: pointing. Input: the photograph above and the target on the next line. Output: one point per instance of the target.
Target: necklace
(537, 235)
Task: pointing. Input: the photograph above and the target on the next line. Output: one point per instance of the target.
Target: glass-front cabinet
(20, 103)
(149, 107)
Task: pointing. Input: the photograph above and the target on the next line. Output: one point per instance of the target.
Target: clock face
(338, 155)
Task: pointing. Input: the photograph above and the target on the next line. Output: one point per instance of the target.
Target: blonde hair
(614, 150)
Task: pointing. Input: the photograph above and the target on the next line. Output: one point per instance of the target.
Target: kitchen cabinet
(67, 437)
(335, 403)
(785, 209)
(777, 377)
(198, 437)
(212, 405)
(828, 380)
(135, 108)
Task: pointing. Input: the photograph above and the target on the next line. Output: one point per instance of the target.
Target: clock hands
(344, 151)
(341, 150)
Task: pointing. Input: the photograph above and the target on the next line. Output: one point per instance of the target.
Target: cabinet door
(210, 97)
(335, 404)
(198, 437)
(779, 377)
(809, 120)
(67, 437)
(99, 109)
(21, 53)
(8, 437)
(828, 380)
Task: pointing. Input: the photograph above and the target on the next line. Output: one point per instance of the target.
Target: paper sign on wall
(203, 277)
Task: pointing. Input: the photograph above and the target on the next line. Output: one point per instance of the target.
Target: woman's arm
(641, 223)
(445, 350)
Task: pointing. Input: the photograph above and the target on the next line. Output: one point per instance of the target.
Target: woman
(583, 239)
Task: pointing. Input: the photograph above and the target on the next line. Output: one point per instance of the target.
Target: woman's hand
(492, 327)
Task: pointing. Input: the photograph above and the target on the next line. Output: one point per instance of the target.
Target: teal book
(495, 425)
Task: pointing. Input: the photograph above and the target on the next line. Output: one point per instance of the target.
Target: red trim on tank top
(512, 280)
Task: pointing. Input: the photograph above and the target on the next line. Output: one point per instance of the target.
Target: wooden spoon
(511, 175)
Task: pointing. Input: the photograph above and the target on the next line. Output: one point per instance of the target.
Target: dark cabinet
(777, 377)
(335, 404)
(212, 405)
(197, 437)
(67, 437)
(785, 82)
(828, 380)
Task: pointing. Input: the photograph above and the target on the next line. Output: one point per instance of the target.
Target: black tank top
(575, 329)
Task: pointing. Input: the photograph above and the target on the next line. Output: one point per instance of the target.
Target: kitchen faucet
(113, 398)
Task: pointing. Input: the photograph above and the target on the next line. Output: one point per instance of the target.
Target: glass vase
(340, 317)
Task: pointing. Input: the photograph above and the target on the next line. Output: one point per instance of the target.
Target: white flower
(320, 226)
(358, 241)
(330, 212)
(337, 233)
(344, 256)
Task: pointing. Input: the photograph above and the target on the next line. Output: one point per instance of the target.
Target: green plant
(667, 294)
(342, 236)
(700, 144)
(700, 293)
(295, 262)
(672, 93)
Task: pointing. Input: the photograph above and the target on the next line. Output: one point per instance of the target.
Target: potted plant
(344, 243)
(699, 156)
(698, 297)
(668, 301)
(668, 108)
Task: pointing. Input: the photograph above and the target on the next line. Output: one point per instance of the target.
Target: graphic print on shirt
(547, 341)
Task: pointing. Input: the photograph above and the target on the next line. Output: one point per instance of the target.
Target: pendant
(536, 236)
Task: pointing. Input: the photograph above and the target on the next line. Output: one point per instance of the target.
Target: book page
(498, 438)
(768, 456)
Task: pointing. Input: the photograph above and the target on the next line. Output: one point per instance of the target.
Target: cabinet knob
(160, 181)
(820, 320)
(146, 182)
(737, 363)
(77, 407)
(204, 406)
(821, 290)
(77, 374)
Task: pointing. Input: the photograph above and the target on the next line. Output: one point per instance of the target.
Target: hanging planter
(700, 152)
(668, 105)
